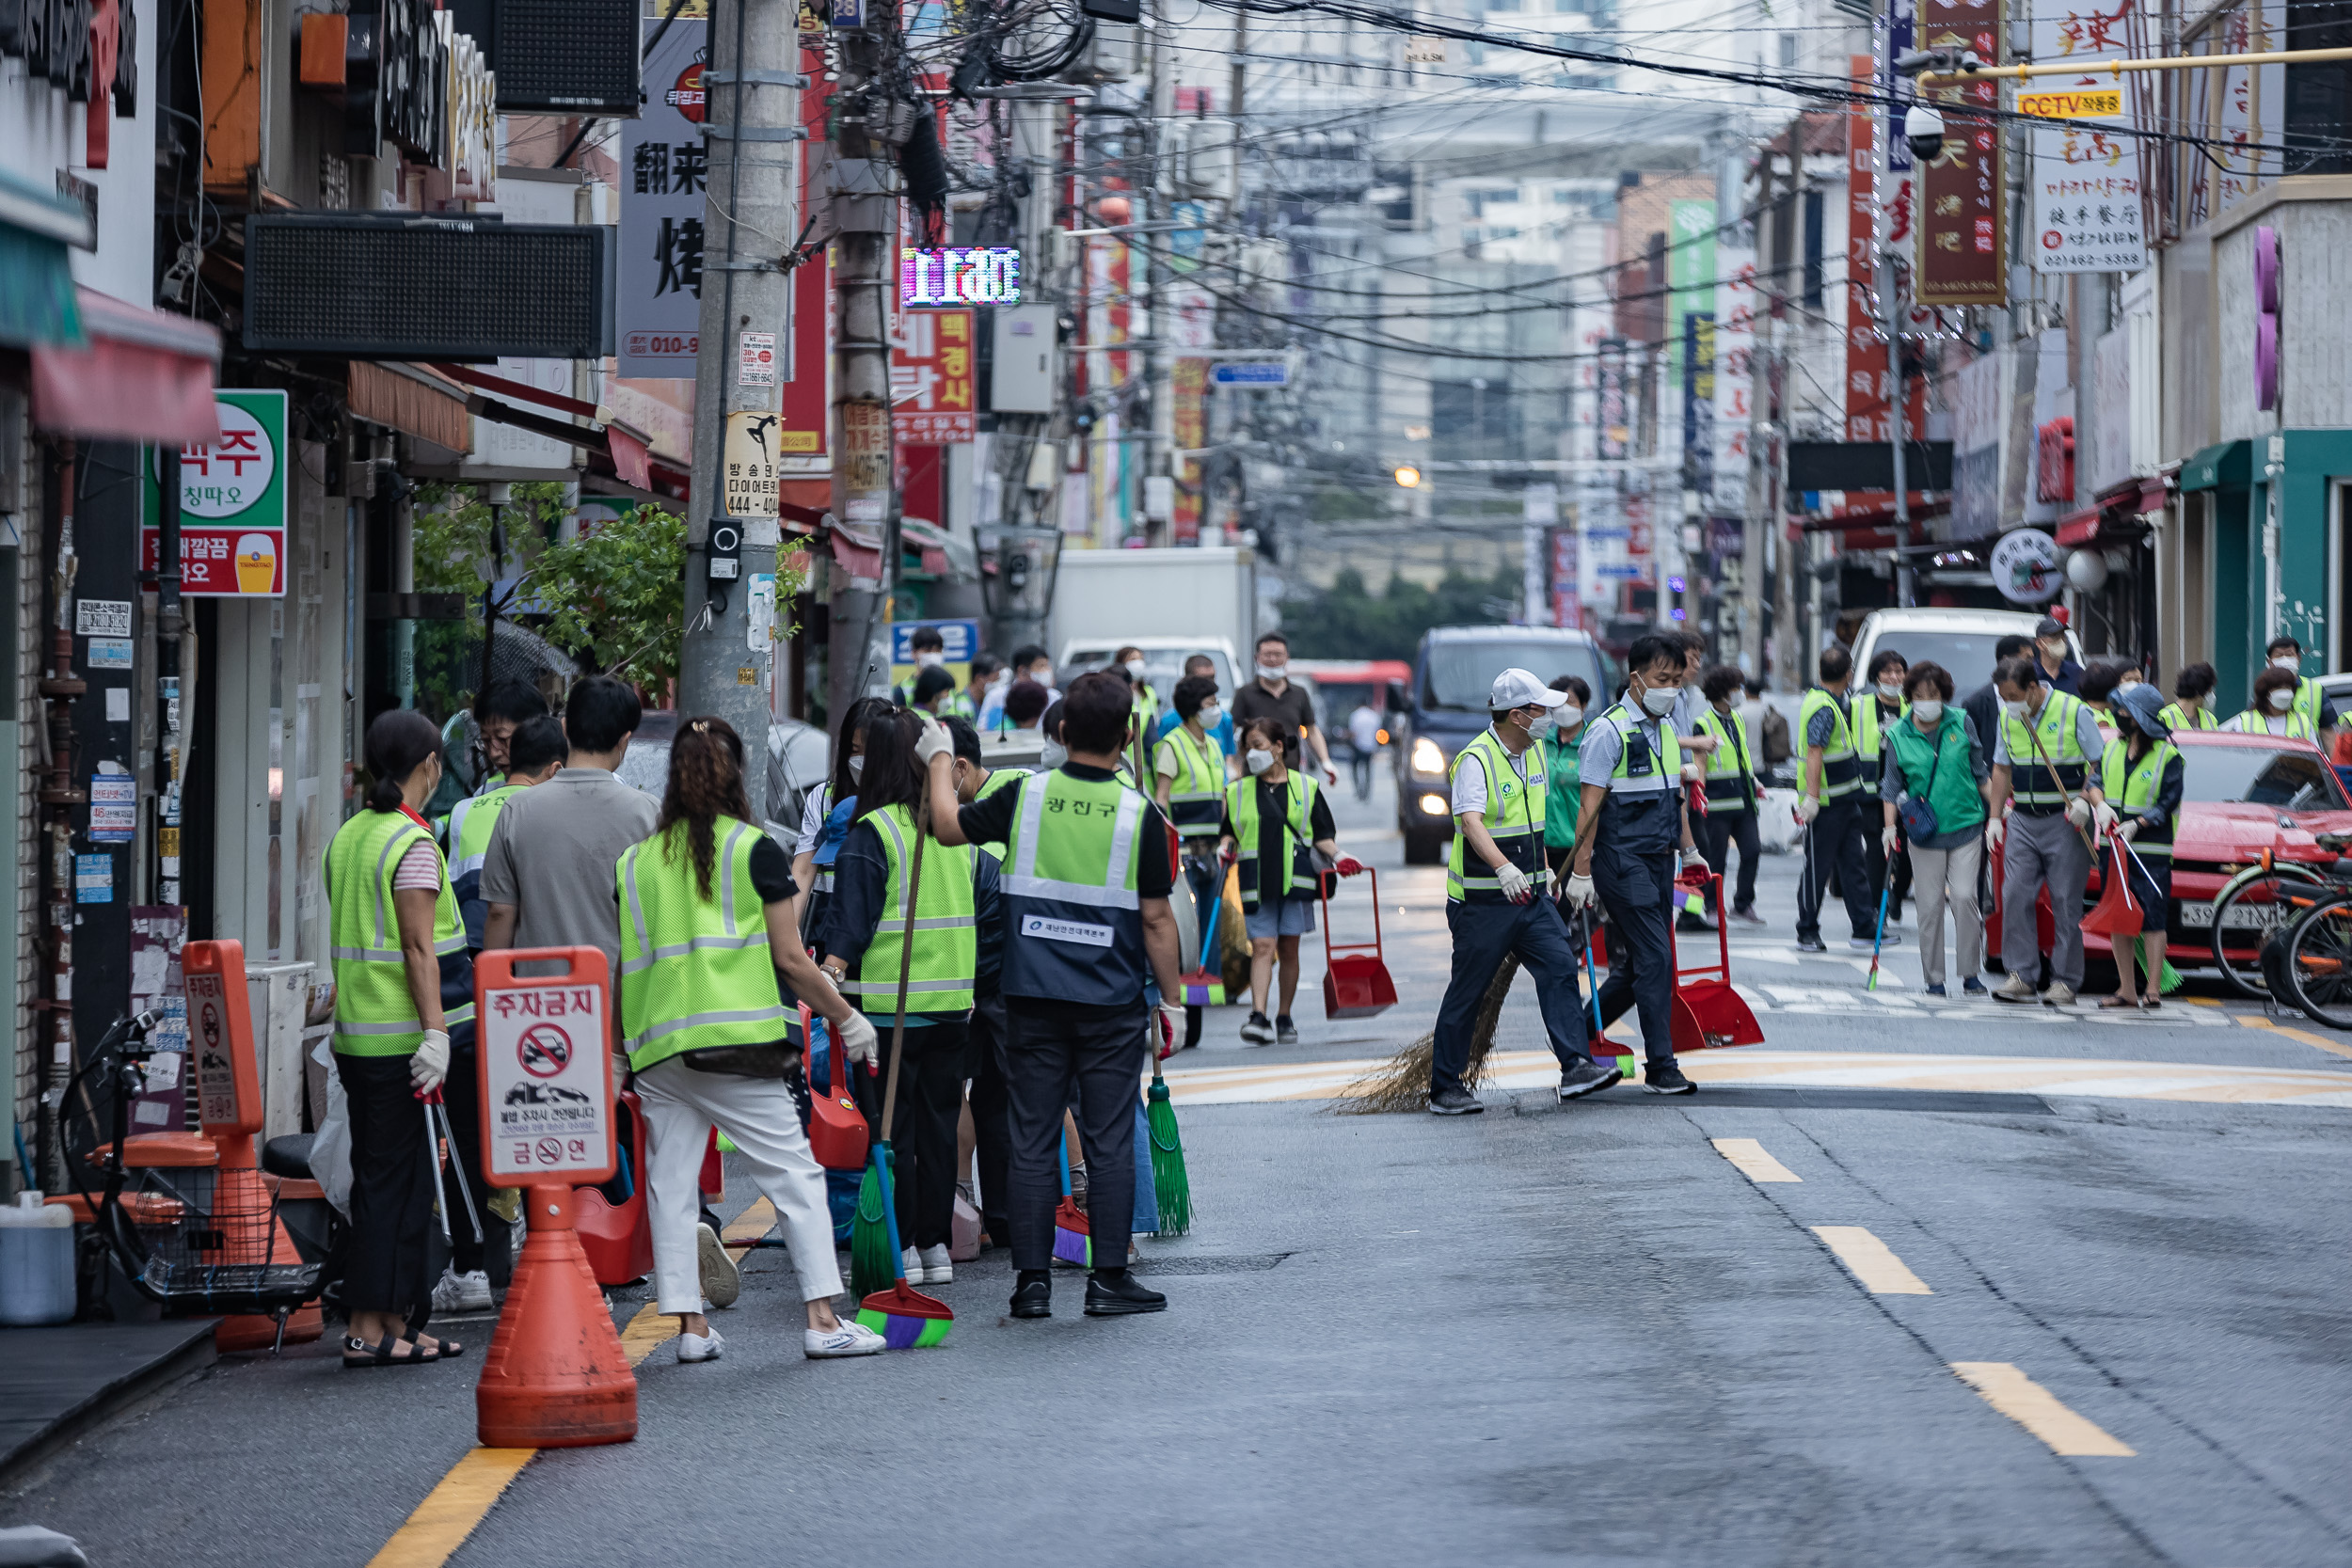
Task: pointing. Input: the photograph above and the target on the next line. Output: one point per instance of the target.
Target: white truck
(1170, 602)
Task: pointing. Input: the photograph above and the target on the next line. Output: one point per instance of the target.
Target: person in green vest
(1190, 771)
(2191, 707)
(1130, 662)
(706, 925)
(2275, 710)
(1829, 797)
(989, 1095)
(1557, 749)
(1878, 704)
(534, 753)
(2143, 778)
(866, 939)
(1935, 769)
(934, 692)
(404, 1004)
(1273, 817)
(2045, 762)
(2310, 703)
(1734, 794)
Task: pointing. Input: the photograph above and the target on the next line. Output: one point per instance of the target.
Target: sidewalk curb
(193, 1353)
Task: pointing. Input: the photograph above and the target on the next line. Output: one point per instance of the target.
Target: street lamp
(1408, 476)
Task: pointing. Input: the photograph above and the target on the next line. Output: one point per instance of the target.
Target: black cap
(2048, 627)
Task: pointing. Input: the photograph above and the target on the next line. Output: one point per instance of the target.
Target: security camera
(1923, 128)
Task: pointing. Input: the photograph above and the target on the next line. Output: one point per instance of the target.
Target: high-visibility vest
(2175, 716)
(2307, 701)
(1841, 772)
(374, 1013)
(1073, 921)
(2299, 727)
(999, 778)
(1638, 815)
(1196, 795)
(2132, 788)
(1241, 803)
(946, 952)
(1727, 763)
(959, 705)
(696, 972)
(469, 824)
(1514, 818)
(2047, 753)
(1869, 725)
(1146, 711)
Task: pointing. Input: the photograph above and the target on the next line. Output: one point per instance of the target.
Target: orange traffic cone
(252, 1234)
(555, 1376)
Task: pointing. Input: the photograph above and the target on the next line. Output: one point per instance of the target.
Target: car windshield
(2261, 776)
(1968, 655)
(1461, 674)
(1162, 667)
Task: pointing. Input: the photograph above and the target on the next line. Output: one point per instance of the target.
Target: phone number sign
(547, 1101)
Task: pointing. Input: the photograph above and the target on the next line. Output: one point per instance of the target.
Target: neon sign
(959, 275)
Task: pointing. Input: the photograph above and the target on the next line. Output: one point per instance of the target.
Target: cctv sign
(546, 1068)
(959, 275)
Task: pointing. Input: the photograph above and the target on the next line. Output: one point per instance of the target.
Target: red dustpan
(1356, 982)
(2117, 912)
(1706, 1011)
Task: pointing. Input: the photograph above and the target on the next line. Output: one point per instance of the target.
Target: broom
(1204, 986)
(1073, 1236)
(875, 1259)
(906, 1319)
(1403, 1083)
(1171, 1185)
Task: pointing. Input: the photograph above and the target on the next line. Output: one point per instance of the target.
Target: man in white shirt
(1363, 738)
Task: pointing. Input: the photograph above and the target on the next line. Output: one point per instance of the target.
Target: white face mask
(928, 660)
(1134, 669)
(2054, 649)
(1567, 716)
(2281, 699)
(1926, 710)
(1211, 715)
(1891, 690)
(1660, 700)
(1274, 672)
(2287, 661)
(1258, 762)
(1053, 754)
(857, 769)
(1541, 724)
(2015, 709)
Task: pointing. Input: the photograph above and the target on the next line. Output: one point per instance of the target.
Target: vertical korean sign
(2085, 195)
(233, 502)
(663, 163)
(1866, 348)
(1962, 210)
(1690, 298)
(1735, 369)
(931, 400)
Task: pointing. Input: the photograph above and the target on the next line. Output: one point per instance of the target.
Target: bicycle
(2259, 899)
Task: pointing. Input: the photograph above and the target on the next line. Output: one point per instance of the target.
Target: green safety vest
(1074, 919)
(2176, 717)
(469, 824)
(1195, 796)
(946, 950)
(2051, 739)
(696, 972)
(1841, 773)
(1241, 803)
(2299, 727)
(2131, 788)
(1869, 723)
(960, 706)
(1729, 762)
(2307, 699)
(1513, 818)
(999, 778)
(1953, 794)
(1147, 709)
(375, 1015)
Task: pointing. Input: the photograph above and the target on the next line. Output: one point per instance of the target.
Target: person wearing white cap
(1631, 822)
(1493, 896)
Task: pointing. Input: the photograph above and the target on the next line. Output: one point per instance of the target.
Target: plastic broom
(1170, 1184)
(875, 1259)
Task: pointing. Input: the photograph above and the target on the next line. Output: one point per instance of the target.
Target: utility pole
(1159, 320)
(753, 120)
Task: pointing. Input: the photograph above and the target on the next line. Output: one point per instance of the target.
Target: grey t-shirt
(552, 854)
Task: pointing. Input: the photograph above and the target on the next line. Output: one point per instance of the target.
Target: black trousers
(1045, 1056)
(1484, 935)
(1205, 875)
(468, 1251)
(923, 1136)
(1874, 852)
(391, 1189)
(1834, 841)
(1637, 894)
(992, 1119)
(1717, 833)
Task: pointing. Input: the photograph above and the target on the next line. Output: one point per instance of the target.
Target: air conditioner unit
(1209, 162)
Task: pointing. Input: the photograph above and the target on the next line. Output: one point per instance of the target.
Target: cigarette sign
(546, 1081)
(2071, 106)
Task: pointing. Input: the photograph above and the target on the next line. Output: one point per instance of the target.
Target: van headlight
(1428, 756)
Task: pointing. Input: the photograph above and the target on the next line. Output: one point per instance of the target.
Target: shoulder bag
(1919, 818)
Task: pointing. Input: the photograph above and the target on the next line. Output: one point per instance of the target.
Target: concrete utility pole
(749, 222)
(1158, 318)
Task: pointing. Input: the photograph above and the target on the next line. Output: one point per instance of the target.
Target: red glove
(1347, 865)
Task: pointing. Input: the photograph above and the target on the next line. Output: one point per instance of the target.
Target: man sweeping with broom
(1086, 918)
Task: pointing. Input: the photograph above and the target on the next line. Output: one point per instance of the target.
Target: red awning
(143, 376)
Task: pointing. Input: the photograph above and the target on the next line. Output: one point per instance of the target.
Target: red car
(2242, 794)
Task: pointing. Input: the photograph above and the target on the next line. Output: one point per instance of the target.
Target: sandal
(361, 1356)
(2150, 1004)
(443, 1350)
(2109, 1004)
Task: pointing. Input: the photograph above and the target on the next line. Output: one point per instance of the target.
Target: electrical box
(1209, 164)
(559, 56)
(1022, 360)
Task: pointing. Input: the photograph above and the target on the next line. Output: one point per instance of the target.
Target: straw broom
(1403, 1084)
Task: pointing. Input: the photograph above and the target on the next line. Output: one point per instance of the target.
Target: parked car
(1958, 639)
(797, 755)
(1445, 707)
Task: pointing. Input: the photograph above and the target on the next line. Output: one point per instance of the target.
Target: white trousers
(757, 1114)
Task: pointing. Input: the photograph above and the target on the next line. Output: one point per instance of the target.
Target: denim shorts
(1290, 916)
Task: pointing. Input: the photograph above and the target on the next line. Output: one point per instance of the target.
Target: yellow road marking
(2321, 1041)
(1872, 1261)
(753, 1223)
(452, 1509)
(1748, 1156)
(648, 1332)
(2035, 1408)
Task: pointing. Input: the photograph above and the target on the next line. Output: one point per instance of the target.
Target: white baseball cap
(1518, 689)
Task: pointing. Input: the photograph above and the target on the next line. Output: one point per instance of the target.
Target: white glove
(1808, 807)
(1886, 838)
(429, 1068)
(934, 742)
(2104, 815)
(1992, 834)
(1172, 1015)
(1516, 887)
(2079, 812)
(1578, 891)
(2131, 829)
(1689, 859)
(858, 1041)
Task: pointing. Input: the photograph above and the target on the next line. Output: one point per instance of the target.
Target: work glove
(2078, 812)
(1578, 891)
(1808, 807)
(1692, 866)
(1515, 886)
(2130, 829)
(933, 741)
(1347, 865)
(429, 1066)
(2104, 815)
(1172, 1028)
(858, 1041)
(1993, 834)
(1886, 838)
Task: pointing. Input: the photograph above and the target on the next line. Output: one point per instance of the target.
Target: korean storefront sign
(1962, 221)
(931, 386)
(664, 164)
(2084, 200)
(233, 502)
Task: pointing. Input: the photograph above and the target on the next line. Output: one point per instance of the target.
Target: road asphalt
(1762, 1324)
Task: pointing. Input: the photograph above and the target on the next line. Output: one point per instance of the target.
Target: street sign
(1251, 373)
(2025, 566)
(2098, 104)
(220, 1038)
(546, 1065)
(663, 162)
(748, 464)
(932, 386)
(233, 502)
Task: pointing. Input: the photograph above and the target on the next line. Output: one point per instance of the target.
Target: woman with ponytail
(404, 995)
(706, 907)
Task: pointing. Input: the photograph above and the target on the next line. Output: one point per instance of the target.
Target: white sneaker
(701, 1347)
(850, 1338)
(911, 1262)
(938, 1267)
(2060, 994)
(721, 1280)
(458, 1292)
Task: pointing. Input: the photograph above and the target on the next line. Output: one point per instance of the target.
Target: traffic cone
(555, 1376)
(252, 1232)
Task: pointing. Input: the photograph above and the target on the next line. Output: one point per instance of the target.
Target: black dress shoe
(1033, 1298)
(1115, 1293)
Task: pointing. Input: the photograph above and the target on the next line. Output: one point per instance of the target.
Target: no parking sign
(546, 1065)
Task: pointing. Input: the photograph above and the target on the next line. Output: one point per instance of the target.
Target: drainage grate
(1947, 1101)
(1247, 1263)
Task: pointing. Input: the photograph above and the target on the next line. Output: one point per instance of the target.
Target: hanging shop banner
(1691, 291)
(2084, 201)
(233, 502)
(2240, 108)
(1734, 371)
(932, 399)
(1866, 348)
(804, 403)
(1961, 218)
(1698, 402)
(664, 164)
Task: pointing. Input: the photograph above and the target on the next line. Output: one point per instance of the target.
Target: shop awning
(2225, 465)
(142, 375)
(2116, 515)
(411, 400)
(36, 227)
